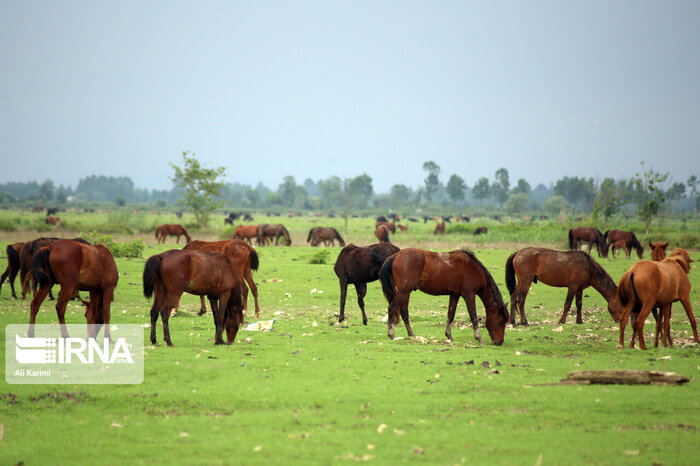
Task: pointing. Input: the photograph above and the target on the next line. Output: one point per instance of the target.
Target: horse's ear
(664, 245)
(651, 245)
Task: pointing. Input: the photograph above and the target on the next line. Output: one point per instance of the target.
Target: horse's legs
(107, 298)
(451, 310)
(248, 275)
(685, 301)
(666, 321)
(404, 316)
(395, 310)
(361, 289)
(659, 326)
(567, 304)
(172, 301)
(639, 325)
(579, 305)
(154, 317)
(623, 323)
(218, 309)
(234, 317)
(202, 307)
(343, 295)
(39, 298)
(64, 295)
(522, 295)
(470, 301)
(517, 300)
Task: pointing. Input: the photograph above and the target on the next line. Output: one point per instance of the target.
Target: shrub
(320, 257)
(131, 249)
(7, 224)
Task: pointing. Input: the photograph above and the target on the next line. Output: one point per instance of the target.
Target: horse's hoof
(170, 344)
(364, 321)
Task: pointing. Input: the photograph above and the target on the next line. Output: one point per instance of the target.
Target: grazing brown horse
(172, 229)
(246, 232)
(243, 258)
(169, 274)
(358, 266)
(390, 226)
(12, 266)
(327, 235)
(592, 236)
(481, 231)
(457, 273)
(574, 270)
(439, 228)
(382, 234)
(402, 227)
(269, 232)
(26, 254)
(647, 284)
(51, 220)
(620, 244)
(658, 250)
(76, 266)
(629, 238)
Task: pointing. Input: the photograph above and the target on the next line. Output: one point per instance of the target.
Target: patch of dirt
(76, 397)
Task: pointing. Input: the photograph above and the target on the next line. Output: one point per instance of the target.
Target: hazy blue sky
(313, 89)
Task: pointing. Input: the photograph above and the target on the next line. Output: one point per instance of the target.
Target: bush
(320, 257)
(131, 249)
(7, 224)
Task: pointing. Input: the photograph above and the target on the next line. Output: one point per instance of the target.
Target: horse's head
(496, 324)
(615, 307)
(682, 257)
(658, 250)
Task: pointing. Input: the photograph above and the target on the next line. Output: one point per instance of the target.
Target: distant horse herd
(222, 271)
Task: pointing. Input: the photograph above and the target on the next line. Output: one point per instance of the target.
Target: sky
(315, 89)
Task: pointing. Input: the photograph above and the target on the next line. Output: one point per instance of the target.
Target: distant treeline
(576, 194)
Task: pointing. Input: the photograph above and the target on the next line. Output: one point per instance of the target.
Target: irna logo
(68, 350)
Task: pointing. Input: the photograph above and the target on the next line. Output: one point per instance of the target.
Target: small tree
(518, 203)
(501, 186)
(455, 188)
(650, 194)
(694, 185)
(200, 186)
(481, 189)
(610, 199)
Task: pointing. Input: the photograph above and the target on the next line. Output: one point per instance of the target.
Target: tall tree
(694, 185)
(649, 193)
(399, 194)
(501, 186)
(431, 181)
(481, 189)
(455, 188)
(523, 187)
(200, 186)
(287, 191)
(47, 190)
(361, 190)
(332, 192)
(578, 192)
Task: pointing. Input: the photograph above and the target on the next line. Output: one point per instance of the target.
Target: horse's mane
(600, 275)
(635, 242)
(495, 291)
(682, 257)
(340, 238)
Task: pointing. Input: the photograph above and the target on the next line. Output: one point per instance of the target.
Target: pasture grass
(313, 391)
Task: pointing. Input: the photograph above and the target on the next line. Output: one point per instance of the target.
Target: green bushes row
(132, 249)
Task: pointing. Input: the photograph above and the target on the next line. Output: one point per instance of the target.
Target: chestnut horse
(588, 235)
(457, 273)
(390, 226)
(169, 274)
(51, 220)
(658, 250)
(269, 232)
(243, 258)
(172, 229)
(439, 228)
(631, 241)
(246, 232)
(647, 284)
(12, 266)
(620, 244)
(26, 254)
(658, 253)
(358, 266)
(382, 234)
(574, 270)
(327, 235)
(76, 266)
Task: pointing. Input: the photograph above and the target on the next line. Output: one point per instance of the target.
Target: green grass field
(313, 391)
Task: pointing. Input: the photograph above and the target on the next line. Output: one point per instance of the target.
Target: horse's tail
(286, 235)
(605, 235)
(387, 278)
(12, 257)
(340, 238)
(157, 232)
(510, 274)
(571, 239)
(151, 273)
(41, 269)
(254, 259)
(626, 290)
(311, 232)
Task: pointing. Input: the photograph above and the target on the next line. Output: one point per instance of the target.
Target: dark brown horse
(574, 270)
(631, 241)
(481, 231)
(592, 236)
(358, 266)
(382, 234)
(326, 234)
(647, 284)
(457, 273)
(269, 232)
(26, 254)
(243, 258)
(391, 226)
(75, 266)
(169, 274)
(172, 229)
(12, 266)
(246, 232)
